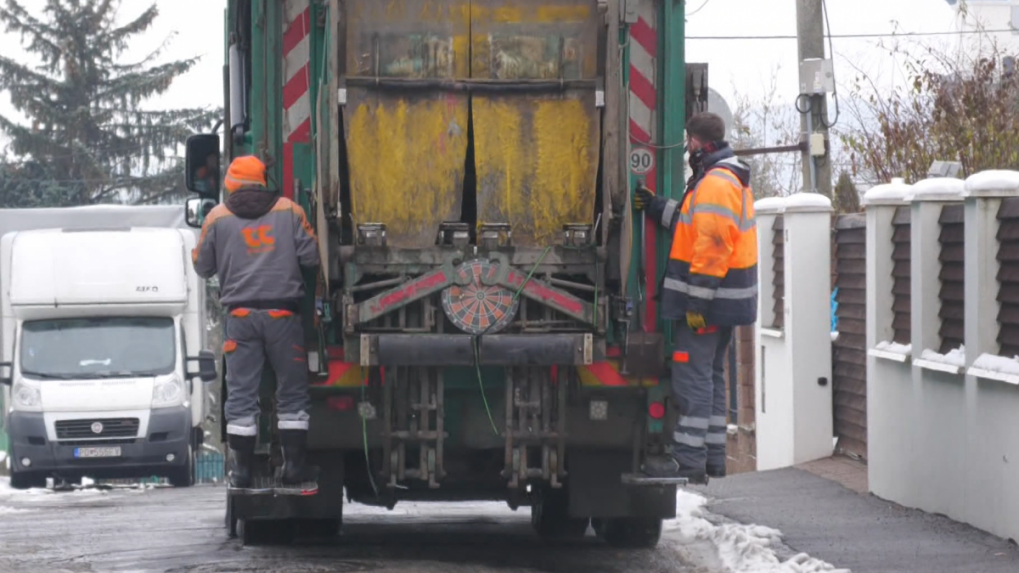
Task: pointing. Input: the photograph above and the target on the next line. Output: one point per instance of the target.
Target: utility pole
(816, 80)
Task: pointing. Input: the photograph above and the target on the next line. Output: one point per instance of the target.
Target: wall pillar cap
(807, 203)
(888, 194)
(994, 183)
(944, 189)
(770, 206)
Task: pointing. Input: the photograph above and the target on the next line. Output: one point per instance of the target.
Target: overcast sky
(743, 65)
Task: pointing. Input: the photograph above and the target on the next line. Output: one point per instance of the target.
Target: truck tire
(267, 531)
(27, 480)
(231, 521)
(318, 528)
(630, 532)
(551, 519)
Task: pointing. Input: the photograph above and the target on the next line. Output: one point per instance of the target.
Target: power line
(699, 9)
(858, 36)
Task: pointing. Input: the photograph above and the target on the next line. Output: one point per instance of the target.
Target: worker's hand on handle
(642, 197)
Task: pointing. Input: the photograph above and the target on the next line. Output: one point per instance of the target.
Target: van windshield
(97, 347)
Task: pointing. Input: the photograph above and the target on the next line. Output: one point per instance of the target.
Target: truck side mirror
(206, 366)
(196, 209)
(201, 165)
(6, 373)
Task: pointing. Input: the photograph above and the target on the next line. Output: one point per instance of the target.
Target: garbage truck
(103, 335)
(484, 323)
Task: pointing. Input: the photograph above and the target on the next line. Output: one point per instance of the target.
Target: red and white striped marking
(643, 129)
(643, 67)
(296, 84)
(296, 71)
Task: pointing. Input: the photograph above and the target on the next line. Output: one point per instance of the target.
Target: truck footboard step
(643, 480)
(275, 486)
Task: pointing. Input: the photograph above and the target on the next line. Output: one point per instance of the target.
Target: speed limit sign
(642, 161)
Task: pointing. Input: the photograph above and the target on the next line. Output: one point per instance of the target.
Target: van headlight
(26, 396)
(167, 392)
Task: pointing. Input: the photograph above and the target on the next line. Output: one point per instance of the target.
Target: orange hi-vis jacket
(712, 267)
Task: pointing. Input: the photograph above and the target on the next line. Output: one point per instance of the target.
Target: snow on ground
(894, 347)
(997, 364)
(9, 510)
(741, 548)
(87, 488)
(956, 357)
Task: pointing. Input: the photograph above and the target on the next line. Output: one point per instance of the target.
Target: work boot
(295, 470)
(668, 467)
(716, 471)
(242, 455)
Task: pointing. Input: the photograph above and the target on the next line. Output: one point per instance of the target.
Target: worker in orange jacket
(257, 242)
(710, 286)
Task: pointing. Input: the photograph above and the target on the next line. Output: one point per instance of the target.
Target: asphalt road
(859, 532)
(182, 531)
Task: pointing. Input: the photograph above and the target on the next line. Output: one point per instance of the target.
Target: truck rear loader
(483, 326)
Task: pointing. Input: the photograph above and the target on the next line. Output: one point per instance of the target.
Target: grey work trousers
(252, 337)
(698, 386)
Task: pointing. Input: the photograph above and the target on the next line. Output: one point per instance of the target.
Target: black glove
(642, 198)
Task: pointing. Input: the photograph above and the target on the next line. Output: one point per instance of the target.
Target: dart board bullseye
(477, 308)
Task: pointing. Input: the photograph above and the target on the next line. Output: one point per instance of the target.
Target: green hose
(477, 338)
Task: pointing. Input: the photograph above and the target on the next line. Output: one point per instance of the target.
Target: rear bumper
(139, 456)
(492, 349)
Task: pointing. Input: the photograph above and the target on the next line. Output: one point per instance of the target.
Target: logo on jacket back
(259, 239)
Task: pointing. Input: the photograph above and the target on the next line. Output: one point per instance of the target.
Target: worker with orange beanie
(710, 287)
(257, 243)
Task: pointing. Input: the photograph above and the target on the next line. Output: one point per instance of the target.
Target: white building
(987, 26)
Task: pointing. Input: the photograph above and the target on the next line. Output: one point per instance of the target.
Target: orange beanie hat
(246, 171)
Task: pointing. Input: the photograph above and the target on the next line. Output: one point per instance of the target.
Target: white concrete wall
(794, 396)
(942, 439)
(889, 382)
(980, 16)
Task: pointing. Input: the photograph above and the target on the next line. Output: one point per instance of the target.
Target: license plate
(97, 452)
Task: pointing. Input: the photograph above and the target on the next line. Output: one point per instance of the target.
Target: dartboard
(478, 308)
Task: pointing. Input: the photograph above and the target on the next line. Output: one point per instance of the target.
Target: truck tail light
(340, 403)
(656, 410)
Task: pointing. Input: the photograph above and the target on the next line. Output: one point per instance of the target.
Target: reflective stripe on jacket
(712, 267)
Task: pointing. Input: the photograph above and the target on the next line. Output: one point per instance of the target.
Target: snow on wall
(894, 347)
(1000, 364)
(993, 181)
(956, 357)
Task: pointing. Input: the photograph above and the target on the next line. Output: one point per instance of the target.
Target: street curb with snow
(741, 548)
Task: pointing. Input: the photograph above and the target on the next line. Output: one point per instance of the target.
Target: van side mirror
(196, 209)
(206, 366)
(201, 165)
(6, 373)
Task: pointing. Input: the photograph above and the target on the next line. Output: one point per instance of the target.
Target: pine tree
(847, 198)
(29, 184)
(84, 103)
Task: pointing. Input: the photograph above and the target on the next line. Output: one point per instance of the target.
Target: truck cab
(103, 354)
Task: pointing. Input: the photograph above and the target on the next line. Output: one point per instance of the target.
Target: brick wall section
(742, 446)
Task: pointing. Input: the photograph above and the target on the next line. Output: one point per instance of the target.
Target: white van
(103, 334)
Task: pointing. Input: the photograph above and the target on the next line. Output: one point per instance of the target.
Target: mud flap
(264, 501)
(597, 490)
(274, 487)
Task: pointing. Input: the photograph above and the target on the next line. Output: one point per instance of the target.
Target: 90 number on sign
(642, 161)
